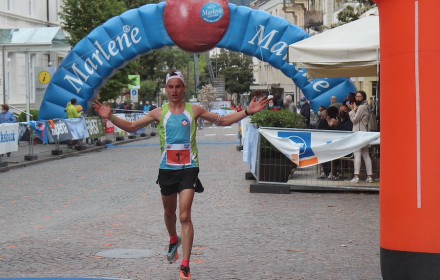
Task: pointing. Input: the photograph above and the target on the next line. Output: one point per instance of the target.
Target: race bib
(178, 154)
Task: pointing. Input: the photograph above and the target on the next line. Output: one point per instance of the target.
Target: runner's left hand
(256, 106)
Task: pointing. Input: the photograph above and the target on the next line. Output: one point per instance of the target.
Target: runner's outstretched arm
(106, 112)
(254, 107)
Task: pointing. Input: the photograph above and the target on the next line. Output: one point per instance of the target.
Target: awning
(44, 39)
(350, 50)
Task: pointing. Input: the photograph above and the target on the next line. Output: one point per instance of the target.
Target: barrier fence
(308, 159)
(68, 133)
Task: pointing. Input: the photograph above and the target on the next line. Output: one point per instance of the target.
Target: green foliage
(22, 116)
(282, 118)
(235, 68)
(148, 90)
(132, 4)
(350, 13)
(366, 2)
(80, 17)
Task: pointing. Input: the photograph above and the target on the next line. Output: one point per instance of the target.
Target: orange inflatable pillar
(410, 146)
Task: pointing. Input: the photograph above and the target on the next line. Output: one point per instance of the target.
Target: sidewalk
(39, 153)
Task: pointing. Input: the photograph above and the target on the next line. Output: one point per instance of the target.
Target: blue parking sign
(134, 95)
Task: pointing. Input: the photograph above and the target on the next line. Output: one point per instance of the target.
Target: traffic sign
(134, 95)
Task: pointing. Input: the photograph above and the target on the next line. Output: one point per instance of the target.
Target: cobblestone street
(60, 217)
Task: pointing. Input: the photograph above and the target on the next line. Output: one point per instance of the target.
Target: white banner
(8, 137)
(78, 128)
(310, 147)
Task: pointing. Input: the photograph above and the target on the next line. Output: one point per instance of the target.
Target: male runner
(179, 166)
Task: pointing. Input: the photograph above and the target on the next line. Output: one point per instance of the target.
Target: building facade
(313, 16)
(306, 14)
(17, 66)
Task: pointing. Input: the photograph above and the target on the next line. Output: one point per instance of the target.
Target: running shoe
(369, 180)
(355, 180)
(172, 255)
(184, 273)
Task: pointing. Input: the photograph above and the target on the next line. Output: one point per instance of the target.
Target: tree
(148, 90)
(347, 15)
(235, 68)
(80, 17)
(207, 96)
(350, 13)
(132, 4)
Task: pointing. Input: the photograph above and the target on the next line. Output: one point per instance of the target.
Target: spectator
(321, 108)
(121, 108)
(322, 123)
(7, 117)
(72, 112)
(342, 122)
(128, 106)
(140, 106)
(288, 104)
(328, 122)
(146, 108)
(305, 110)
(114, 104)
(153, 106)
(359, 116)
(72, 109)
(344, 119)
(271, 105)
(351, 99)
(334, 102)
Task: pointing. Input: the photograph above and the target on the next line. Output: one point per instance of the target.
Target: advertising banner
(309, 147)
(95, 127)
(77, 128)
(58, 129)
(8, 137)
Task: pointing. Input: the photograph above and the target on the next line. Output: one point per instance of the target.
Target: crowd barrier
(58, 131)
(283, 159)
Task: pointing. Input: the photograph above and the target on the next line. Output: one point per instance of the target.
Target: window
(374, 88)
(31, 7)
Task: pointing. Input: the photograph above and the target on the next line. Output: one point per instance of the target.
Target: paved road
(59, 218)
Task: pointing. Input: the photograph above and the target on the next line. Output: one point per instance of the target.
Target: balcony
(313, 19)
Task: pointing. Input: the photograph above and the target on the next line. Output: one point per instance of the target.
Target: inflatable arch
(136, 32)
(409, 191)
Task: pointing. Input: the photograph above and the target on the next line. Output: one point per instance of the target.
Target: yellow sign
(44, 77)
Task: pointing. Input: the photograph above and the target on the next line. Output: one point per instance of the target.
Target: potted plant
(273, 165)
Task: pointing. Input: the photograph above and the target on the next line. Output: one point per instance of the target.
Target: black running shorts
(174, 181)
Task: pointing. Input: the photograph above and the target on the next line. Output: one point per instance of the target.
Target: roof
(34, 39)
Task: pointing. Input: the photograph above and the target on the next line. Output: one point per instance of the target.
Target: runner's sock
(174, 239)
(185, 263)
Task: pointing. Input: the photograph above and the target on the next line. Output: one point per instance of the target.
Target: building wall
(264, 73)
(25, 14)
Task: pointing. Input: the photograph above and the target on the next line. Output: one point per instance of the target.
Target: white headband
(175, 75)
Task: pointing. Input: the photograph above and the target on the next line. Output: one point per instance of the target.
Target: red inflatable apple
(196, 25)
